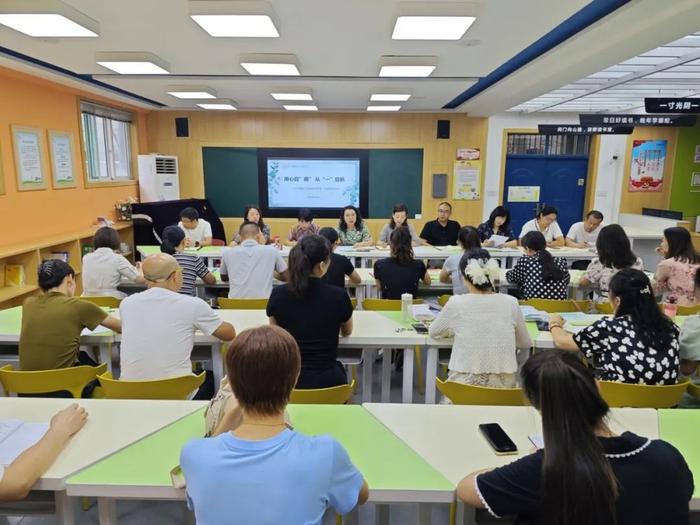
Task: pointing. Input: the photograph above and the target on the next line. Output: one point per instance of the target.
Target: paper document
(580, 318)
(421, 312)
(537, 440)
(498, 240)
(17, 436)
(530, 313)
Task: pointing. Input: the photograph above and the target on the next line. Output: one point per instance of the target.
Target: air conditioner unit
(158, 178)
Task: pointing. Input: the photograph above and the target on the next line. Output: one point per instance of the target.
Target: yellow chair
(173, 388)
(353, 301)
(336, 395)
(557, 306)
(642, 396)
(688, 310)
(694, 390)
(461, 394)
(385, 305)
(442, 300)
(102, 300)
(242, 304)
(604, 308)
(71, 379)
(393, 305)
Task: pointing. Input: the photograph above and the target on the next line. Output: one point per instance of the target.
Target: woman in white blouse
(488, 327)
(105, 269)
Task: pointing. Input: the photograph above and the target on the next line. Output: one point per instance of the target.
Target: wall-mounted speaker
(443, 129)
(439, 185)
(182, 127)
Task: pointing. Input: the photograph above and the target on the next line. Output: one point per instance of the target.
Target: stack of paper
(17, 436)
(530, 313)
(421, 312)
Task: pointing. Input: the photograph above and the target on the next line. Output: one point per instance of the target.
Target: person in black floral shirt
(638, 345)
(497, 224)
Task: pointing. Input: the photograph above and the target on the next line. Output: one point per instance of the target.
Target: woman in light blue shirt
(263, 472)
(468, 239)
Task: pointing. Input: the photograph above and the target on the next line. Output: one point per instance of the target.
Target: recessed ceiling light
(294, 107)
(133, 63)
(292, 93)
(191, 92)
(405, 66)
(220, 104)
(270, 64)
(383, 108)
(389, 97)
(47, 18)
(241, 26)
(431, 27)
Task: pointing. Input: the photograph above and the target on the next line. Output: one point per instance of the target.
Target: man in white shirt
(250, 266)
(197, 231)
(546, 224)
(584, 234)
(158, 325)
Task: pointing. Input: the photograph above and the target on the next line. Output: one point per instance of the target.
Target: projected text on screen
(313, 183)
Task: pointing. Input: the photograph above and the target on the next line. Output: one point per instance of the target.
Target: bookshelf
(30, 254)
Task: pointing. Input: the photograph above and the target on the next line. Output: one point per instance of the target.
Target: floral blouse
(485, 232)
(621, 355)
(676, 279)
(600, 276)
(297, 233)
(350, 237)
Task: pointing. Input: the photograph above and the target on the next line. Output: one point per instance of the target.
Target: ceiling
(672, 70)
(338, 44)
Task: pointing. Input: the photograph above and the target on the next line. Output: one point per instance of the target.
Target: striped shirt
(192, 267)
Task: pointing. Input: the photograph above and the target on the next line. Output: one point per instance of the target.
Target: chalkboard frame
(316, 153)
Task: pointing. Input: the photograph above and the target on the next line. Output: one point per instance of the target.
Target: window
(106, 142)
(534, 144)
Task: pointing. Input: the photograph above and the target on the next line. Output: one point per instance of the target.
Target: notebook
(17, 436)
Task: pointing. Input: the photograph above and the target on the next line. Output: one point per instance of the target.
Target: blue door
(562, 183)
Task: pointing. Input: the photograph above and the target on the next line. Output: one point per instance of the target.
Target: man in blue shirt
(263, 472)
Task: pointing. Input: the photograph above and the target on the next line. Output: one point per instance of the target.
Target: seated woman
(399, 217)
(104, 269)
(488, 327)
(537, 273)
(675, 274)
(400, 273)
(264, 471)
(498, 224)
(468, 239)
(690, 339)
(314, 312)
(18, 478)
(586, 474)
(638, 345)
(305, 226)
(352, 230)
(614, 254)
(545, 222)
(191, 264)
(251, 213)
(53, 321)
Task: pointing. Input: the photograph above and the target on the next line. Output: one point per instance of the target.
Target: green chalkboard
(231, 179)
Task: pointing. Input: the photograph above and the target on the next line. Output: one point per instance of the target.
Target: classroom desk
(132, 420)
(448, 438)
(141, 471)
(211, 254)
(11, 327)
(680, 427)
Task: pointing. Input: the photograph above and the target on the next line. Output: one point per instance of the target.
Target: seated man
(442, 231)
(197, 231)
(53, 321)
(250, 266)
(158, 325)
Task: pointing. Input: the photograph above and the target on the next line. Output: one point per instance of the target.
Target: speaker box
(443, 129)
(439, 185)
(182, 127)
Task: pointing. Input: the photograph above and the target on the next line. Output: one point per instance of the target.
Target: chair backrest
(604, 308)
(336, 395)
(173, 388)
(688, 310)
(694, 390)
(71, 380)
(461, 394)
(106, 301)
(242, 304)
(642, 396)
(442, 300)
(558, 306)
(353, 301)
(384, 305)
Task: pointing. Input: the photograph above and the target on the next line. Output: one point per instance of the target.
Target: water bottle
(670, 307)
(406, 302)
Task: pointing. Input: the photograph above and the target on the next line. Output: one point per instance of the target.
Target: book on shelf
(61, 256)
(14, 275)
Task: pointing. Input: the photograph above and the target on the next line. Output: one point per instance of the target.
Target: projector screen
(313, 183)
(325, 180)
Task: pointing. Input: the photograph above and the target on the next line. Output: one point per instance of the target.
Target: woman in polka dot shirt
(537, 273)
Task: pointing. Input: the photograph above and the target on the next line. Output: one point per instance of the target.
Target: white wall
(608, 182)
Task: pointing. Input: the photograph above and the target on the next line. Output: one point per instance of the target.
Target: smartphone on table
(498, 439)
(542, 326)
(420, 328)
